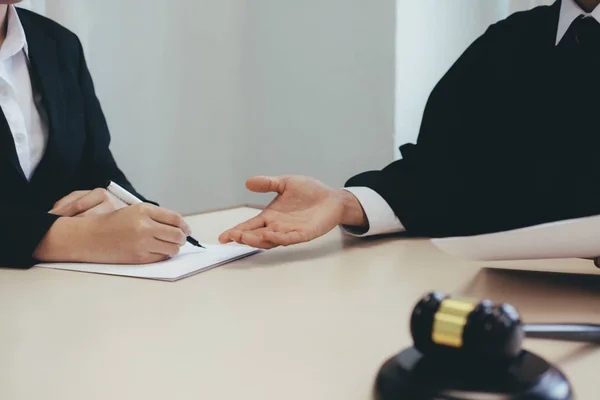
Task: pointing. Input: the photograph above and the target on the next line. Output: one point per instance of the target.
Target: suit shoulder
(51, 28)
(523, 26)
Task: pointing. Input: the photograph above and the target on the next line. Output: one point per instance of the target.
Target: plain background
(202, 94)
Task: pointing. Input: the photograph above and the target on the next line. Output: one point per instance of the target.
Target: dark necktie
(579, 54)
(584, 35)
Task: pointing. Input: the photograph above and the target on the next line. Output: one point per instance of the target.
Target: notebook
(574, 238)
(190, 261)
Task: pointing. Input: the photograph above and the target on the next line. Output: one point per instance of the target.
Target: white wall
(38, 6)
(320, 87)
(169, 79)
(201, 94)
(519, 5)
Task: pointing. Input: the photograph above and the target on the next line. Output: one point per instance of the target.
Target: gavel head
(479, 329)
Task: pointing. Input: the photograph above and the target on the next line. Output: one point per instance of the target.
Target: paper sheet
(190, 261)
(575, 238)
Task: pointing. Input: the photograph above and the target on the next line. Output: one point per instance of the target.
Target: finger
(253, 223)
(170, 234)
(255, 239)
(87, 202)
(165, 248)
(236, 235)
(285, 239)
(100, 209)
(168, 217)
(250, 225)
(266, 184)
(224, 238)
(68, 199)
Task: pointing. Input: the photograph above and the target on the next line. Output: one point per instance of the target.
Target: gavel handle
(569, 332)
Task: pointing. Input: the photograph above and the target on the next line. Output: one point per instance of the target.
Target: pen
(130, 199)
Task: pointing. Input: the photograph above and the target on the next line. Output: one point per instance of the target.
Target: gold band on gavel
(450, 320)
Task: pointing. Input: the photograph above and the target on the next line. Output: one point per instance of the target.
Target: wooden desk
(309, 322)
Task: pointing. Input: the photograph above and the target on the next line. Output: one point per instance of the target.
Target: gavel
(441, 324)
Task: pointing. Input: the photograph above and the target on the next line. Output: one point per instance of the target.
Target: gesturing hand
(303, 210)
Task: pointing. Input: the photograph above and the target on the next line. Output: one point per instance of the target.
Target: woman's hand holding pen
(137, 234)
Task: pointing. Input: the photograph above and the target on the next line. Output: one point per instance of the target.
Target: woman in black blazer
(58, 210)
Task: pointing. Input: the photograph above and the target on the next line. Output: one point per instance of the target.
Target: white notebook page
(190, 261)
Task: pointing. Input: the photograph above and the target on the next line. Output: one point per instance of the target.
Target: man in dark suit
(55, 159)
(509, 139)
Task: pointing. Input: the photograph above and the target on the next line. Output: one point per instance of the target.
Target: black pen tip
(194, 242)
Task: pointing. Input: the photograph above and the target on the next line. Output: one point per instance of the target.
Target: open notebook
(191, 260)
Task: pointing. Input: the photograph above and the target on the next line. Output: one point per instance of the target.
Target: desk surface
(314, 321)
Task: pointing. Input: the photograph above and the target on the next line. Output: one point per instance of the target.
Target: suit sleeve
(23, 230)
(102, 166)
(444, 185)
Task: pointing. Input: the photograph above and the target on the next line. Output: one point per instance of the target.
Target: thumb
(70, 198)
(265, 184)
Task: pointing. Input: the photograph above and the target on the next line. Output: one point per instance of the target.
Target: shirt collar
(16, 40)
(569, 11)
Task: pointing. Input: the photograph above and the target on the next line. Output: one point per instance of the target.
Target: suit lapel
(553, 21)
(7, 144)
(46, 79)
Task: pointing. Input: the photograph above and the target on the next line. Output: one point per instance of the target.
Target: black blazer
(77, 156)
(510, 137)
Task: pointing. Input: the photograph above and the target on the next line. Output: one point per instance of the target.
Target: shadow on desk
(540, 296)
(288, 255)
(330, 245)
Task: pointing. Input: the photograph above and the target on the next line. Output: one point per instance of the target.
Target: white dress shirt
(569, 11)
(21, 106)
(382, 219)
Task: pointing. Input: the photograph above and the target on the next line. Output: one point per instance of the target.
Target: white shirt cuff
(380, 215)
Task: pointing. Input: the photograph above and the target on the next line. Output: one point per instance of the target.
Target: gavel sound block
(469, 349)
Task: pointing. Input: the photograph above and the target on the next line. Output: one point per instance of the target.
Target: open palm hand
(303, 210)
